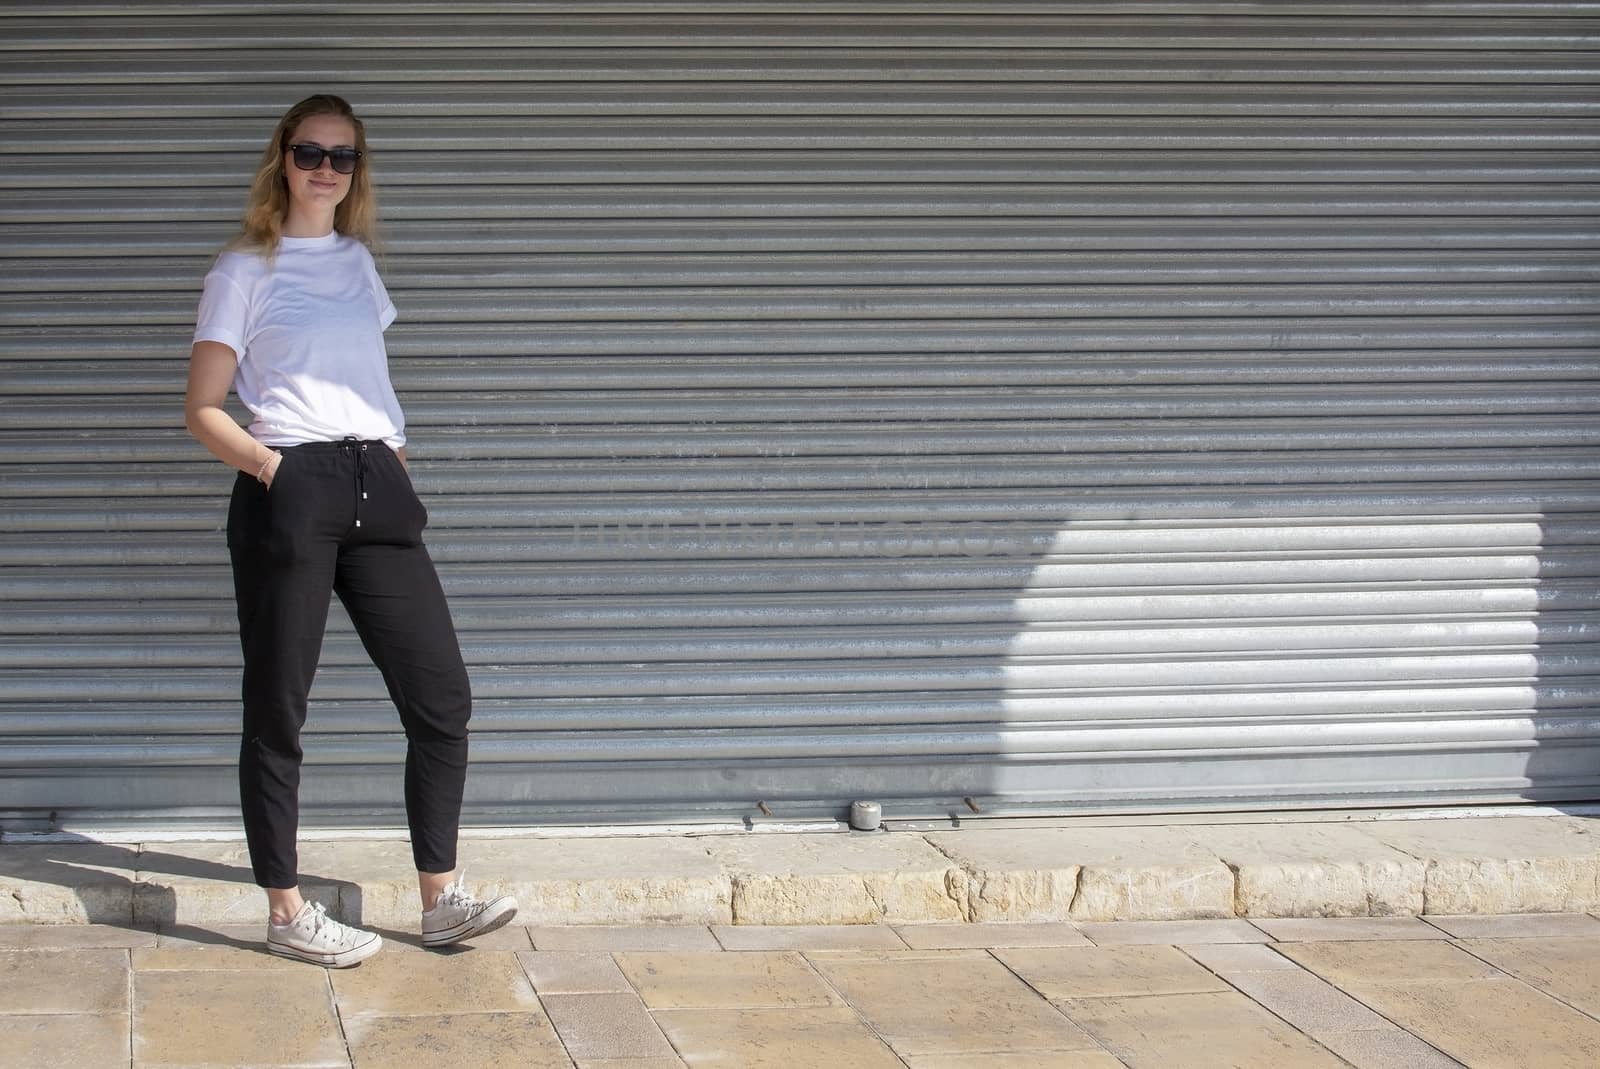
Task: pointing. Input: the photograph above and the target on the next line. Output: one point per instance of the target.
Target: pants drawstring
(359, 448)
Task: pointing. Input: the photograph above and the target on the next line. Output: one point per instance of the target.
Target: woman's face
(323, 189)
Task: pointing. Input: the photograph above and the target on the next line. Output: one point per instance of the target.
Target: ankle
(431, 887)
(283, 904)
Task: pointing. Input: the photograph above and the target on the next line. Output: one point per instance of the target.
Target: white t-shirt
(307, 331)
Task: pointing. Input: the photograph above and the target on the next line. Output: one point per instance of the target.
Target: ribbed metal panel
(1054, 405)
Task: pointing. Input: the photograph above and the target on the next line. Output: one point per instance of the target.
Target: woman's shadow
(139, 888)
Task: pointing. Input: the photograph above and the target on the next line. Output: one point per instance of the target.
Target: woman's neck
(303, 225)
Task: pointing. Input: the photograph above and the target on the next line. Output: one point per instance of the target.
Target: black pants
(341, 517)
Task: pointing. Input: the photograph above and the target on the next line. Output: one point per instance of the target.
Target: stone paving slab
(1307, 1002)
(607, 1025)
(593, 881)
(809, 937)
(464, 981)
(719, 980)
(1332, 929)
(84, 883)
(459, 1041)
(1502, 864)
(1129, 933)
(1346, 963)
(1518, 925)
(75, 936)
(1322, 870)
(608, 937)
(775, 1039)
(1095, 874)
(1568, 968)
(1102, 972)
(1222, 958)
(1525, 1028)
(64, 981)
(1207, 1030)
(64, 1040)
(928, 1004)
(235, 1017)
(987, 934)
(556, 972)
(838, 879)
(1042, 1059)
(1393, 1048)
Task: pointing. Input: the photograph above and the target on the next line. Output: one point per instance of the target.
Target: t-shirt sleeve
(224, 312)
(387, 312)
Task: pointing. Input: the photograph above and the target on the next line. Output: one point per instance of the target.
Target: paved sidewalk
(1520, 992)
(1275, 941)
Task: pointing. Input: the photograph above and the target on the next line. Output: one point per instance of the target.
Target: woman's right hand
(270, 471)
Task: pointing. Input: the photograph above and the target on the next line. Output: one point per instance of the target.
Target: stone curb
(1373, 868)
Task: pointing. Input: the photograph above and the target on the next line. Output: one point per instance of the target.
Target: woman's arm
(211, 369)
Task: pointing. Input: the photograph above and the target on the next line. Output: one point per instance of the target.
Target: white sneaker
(457, 915)
(316, 937)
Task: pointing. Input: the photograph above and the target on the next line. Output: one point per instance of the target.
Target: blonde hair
(268, 207)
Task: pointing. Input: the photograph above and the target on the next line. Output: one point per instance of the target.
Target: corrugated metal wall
(1055, 405)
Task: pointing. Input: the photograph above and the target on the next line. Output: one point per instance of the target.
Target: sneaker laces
(455, 893)
(320, 922)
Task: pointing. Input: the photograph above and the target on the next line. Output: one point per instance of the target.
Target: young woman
(292, 318)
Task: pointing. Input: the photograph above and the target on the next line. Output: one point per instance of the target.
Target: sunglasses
(310, 157)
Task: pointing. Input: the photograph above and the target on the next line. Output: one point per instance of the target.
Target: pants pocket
(397, 477)
(247, 513)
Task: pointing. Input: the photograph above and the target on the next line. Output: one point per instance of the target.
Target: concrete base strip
(1479, 865)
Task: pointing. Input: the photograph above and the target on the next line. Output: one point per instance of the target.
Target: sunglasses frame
(352, 154)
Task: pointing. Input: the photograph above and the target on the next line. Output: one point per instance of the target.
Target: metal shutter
(1059, 406)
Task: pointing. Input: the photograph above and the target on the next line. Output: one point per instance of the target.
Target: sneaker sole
(495, 916)
(342, 960)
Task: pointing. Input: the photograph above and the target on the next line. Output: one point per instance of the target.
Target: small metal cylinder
(865, 816)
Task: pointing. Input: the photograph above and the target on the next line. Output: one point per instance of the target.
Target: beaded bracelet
(262, 471)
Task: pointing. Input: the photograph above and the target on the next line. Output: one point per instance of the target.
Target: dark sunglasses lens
(307, 157)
